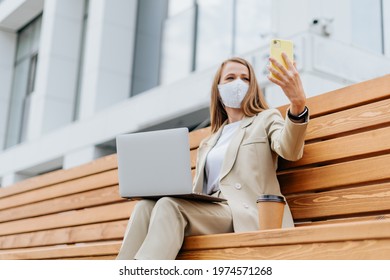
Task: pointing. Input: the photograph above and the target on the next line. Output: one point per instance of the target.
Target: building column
(7, 56)
(107, 68)
(52, 103)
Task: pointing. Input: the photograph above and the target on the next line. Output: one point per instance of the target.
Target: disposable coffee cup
(271, 210)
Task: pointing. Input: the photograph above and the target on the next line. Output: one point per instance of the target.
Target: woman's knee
(144, 206)
(168, 203)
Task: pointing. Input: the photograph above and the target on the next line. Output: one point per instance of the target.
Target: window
(215, 32)
(76, 112)
(146, 70)
(367, 25)
(23, 82)
(253, 25)
(200, 34)
(178, 46)
(178, 6)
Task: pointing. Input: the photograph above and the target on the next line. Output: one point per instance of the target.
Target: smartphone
(277, 46)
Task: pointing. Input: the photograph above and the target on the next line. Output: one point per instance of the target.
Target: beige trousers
(156, 230)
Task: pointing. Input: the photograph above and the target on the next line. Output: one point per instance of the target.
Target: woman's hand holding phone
(287, 77)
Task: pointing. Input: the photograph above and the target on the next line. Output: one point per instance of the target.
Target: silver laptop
(156, 164)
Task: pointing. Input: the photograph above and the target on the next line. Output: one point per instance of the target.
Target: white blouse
(216, 156)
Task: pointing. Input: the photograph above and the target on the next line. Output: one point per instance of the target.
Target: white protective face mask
(233, 93)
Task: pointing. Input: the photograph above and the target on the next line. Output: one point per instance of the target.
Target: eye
(246, 79)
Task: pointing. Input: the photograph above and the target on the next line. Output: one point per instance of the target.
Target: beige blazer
(249, 167)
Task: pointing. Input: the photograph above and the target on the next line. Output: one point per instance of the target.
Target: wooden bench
(339, 194)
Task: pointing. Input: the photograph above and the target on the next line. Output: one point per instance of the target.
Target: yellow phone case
(277, 46)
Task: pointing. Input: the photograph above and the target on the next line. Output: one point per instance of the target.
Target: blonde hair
(252, 104)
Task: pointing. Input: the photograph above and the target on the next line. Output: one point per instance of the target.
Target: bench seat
(352, 240)
(339, 195)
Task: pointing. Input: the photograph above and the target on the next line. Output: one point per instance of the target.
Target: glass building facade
(200, 34)
(26, 61)
(85, 71)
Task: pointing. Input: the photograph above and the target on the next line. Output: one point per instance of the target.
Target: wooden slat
(299, 235)
(336, 175)
(91, 182)
(72, 202)
(59, 176)
(349, 250)
(343, 147)
(103, 257)
(366, 235)
(198, 135)
(348, 97)
(343, 250)
(369, 115)
(55, 252)
(344, 220)
(118, 211)
(77, 234)
(361, 200)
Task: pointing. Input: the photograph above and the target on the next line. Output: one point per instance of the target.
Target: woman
(238, 161)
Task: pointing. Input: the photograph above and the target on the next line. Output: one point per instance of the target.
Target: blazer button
(245, 205)
(237, 186)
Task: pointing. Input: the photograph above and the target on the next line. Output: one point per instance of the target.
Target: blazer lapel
(205, 149)
(232, 150)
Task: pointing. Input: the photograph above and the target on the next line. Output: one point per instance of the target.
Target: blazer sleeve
(286, 138)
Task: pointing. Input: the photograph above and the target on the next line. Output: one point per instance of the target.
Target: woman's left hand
(290, 82)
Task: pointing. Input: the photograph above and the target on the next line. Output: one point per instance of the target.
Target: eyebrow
(241, 74)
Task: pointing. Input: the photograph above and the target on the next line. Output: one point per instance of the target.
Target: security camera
(322, 26)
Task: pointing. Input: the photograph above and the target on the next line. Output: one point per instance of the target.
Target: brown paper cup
(271, 210)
